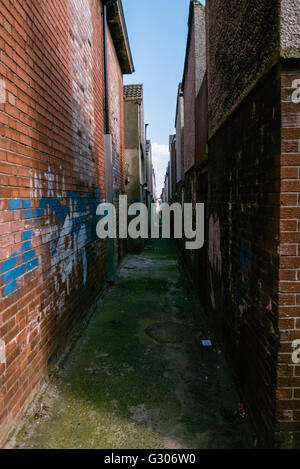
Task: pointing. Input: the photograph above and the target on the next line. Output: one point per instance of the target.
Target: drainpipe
(106, 3)
(110, 248)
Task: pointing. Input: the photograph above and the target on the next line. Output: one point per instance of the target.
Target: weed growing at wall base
(168, 221)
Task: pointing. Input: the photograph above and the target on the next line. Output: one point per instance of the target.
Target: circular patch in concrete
(169, 332)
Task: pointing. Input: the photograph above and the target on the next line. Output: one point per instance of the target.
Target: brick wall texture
(248, 273)
(243, 250)
(51, 180)
(253, 250)
(288, 372)
(196, 191)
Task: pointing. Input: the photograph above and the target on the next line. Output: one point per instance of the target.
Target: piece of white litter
(206, 343)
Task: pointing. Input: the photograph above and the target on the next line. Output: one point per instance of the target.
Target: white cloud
(160, 159)
(160, 150)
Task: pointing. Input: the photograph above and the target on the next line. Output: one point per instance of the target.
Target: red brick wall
(288, 392)
(254, 240)
(51, 180)
(116, 118)
(116, 110)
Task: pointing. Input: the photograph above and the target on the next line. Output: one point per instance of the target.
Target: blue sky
(157, 32)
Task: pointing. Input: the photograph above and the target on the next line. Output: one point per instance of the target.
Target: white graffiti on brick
(296, 92)
(69, 246)
(215, 257)
(296, 353)
(70, 249)
(212, 293)
(2, 92)
(2, 352)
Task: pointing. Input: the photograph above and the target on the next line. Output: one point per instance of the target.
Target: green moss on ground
(139, 377)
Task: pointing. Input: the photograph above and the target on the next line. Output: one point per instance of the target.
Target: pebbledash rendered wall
(254, 196)
(52, 178)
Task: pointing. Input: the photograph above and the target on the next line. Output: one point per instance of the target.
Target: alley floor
(140, 377)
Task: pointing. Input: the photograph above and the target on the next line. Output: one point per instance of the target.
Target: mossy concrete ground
(140, 377)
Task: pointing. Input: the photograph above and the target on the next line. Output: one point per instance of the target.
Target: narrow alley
(150, 224)
(139, 376)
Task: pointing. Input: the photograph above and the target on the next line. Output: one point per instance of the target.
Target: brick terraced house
(61, 139)
(241, 157)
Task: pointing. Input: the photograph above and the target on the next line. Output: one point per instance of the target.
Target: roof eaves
(193, 4)
(118, 29)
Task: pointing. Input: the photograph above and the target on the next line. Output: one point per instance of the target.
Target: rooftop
(195, 7)
(133, 91)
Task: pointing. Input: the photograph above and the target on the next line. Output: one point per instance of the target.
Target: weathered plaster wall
(133, 187)
(290, 30)
(200, 45)
(135, 170)
(131, 119)
(134, 139)
(244, 41)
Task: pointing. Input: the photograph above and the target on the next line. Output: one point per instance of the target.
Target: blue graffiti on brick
(83, 207)
(17, 204)
(13, 273)
(245, 257)
(13, 269)
(26, 235)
